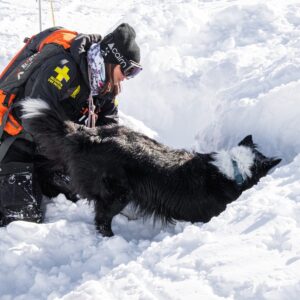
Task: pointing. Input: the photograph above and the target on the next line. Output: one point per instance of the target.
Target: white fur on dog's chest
(243, 156)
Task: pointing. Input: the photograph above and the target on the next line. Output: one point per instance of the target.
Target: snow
(214, 72)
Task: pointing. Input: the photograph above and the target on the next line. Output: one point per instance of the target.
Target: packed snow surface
(214, 71)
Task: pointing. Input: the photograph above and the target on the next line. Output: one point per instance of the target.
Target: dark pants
(20, 195)
(25, 176)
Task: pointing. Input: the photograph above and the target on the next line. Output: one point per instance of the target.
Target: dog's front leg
(102, 221)
(112, 199)
(104, 213)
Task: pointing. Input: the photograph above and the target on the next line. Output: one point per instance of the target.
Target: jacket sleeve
(53, 80)
(108, 111)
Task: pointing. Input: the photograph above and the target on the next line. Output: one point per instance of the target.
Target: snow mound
(251, 251)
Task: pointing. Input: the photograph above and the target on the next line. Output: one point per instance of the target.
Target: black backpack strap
(5, 145)
(4, 120)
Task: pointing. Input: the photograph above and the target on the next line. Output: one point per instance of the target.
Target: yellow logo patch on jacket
(62, 74)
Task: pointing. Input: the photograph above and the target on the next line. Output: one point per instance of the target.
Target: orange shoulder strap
(61, 37)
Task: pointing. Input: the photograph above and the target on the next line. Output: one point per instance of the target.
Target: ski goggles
(132, 69)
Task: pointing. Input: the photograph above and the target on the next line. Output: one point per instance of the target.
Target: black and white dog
(114, 165)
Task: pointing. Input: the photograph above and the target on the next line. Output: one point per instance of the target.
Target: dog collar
(238, 177)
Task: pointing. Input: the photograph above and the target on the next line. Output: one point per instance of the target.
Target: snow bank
(251, 251)
(218, 71)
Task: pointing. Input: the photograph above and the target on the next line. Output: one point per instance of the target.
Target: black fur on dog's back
(114, 165)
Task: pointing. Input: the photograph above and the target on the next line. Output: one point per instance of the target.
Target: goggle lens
(132, 70)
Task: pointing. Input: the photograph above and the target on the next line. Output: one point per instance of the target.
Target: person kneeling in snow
(79, 74)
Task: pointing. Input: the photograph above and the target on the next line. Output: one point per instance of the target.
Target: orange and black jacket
(63, 80)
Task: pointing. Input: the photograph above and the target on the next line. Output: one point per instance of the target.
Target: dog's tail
(47, 125)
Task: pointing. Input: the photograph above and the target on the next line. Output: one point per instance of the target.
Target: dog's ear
(272, 162)
(247, 141)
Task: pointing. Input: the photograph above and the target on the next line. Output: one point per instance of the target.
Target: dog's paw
(105, 230)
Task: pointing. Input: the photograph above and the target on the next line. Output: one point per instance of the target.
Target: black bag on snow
(20, 196)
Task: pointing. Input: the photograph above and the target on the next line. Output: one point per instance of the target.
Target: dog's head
(244, 164)
(261, 164)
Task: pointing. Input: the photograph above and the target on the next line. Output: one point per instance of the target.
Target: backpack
(20, 191)
(36, 50)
